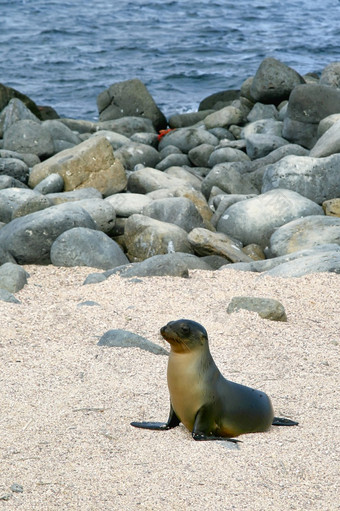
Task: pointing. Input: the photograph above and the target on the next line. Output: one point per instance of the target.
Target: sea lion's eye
(185, 329)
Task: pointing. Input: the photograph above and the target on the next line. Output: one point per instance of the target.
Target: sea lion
(210, 406)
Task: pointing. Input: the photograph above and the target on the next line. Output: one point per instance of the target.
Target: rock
(328, 144)
(14, 168)
(15, 111)
(12, 277)
(173, 160)
(74, 196)
(314, 178)
(149, 179)
(187, 119)
(129, 98)
(127, 126)
(60, 134)
(11, 199)
(7, 93)
(205, 242)
(308, 105)
(80, 126)
(53, 183)
(28, 158)
(261, 111)
(150, 139)
(267, 264)
(89, 164)
(124, 339)
(266, 308)
(323, 262)
(226, 154)
(331, 75)
(85, 247)
(32, 204)
(199, 156)
(145, 237)
(227, 177)
(254, 251)
(215, 261)
(304, 233)
(10, 182)
(133, 154)
(187, 178)
(116, 139)
(263, 127)
(102, 213)
(198, 199)
(28, 136)
(169, 149)
(187, 138)
(224, 118)
(255, 220)
(127, 204)
(6, 296)
(176, 210)
(224, 202)
(258, 146)
(274, 81)
(331, 207)
(29, 239)
(215, 100)
(324, 124)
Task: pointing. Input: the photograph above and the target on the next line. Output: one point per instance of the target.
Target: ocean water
(64, 54)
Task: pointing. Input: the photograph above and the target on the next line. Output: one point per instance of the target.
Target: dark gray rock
(206, 242)
(315, 178)
(129, 98)
(29, 239)
(133, 154)
(304, 233)
(261, 111)
(188, 119)
(274, 81)
(148, 179)
(6, 296)
(319, 263)
(226, 154)
(127, 126)
(12, 277)
(85, 247)
(308, 104)
(258, 146)
(187, 138)
(28, 136)
(124, 339)
(199, 155)
(7, 93)
(15, 111)
(11, 199)
(74, 195)
(60, 134)
(31, 205)
(102, 213)
(331, 75)
(219, 100)
(263, 127)
(116, 139)
(173, 160)
(176, 210)
(254, 220)
(266, 308)
(11, 182)
(227, 177)
(53, 183)
(28, 158)
(14, 168)
(127, 204)
(150, 139)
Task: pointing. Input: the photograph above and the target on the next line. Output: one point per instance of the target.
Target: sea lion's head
(184, 335)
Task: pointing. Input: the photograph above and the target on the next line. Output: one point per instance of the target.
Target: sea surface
(64, 54)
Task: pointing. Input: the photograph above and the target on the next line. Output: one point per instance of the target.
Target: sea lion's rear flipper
(172, 422)
(203, 426)
(282, 421)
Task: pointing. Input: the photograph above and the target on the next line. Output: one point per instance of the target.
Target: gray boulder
(124, 339)
(258, 146)
(331, 75)
(274, 81)
(102, 213)
(32, 204)
(29, 239)
(6, 296)
(15, 111)
(149, 179)
(11, 199)
(176, 210)
(14, 168)
(133, 154)
(173, 160)
(319, 263)
(262, 111)
(263, 127)
(129, 98)
(224, 117)
(29, 136)
(187, 119)
(28, 158)
(145, 237)
(227, 177)
(63, 137)
(226, 154)
(127, 204)
(266, 308)
(53, 183)
(328, 144)
(205, 242)
(127, 126)
(308, 105)
(10, 182)
(315, 178)
(254, 220)
(199, 155)
(187, 138)
(85, 247)
(116, 139)
(12, 277)
(304, 233)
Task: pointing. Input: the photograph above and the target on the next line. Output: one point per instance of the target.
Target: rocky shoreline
(251, 180)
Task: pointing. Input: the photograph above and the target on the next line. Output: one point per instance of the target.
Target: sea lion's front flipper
(282, 421)
(202, 427)
(172, 422)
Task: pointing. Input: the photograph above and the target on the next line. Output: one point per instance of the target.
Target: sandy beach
(66, 403)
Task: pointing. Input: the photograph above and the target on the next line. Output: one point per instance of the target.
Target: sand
(66, 403)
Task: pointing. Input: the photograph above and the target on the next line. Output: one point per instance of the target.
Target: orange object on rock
(161, 133)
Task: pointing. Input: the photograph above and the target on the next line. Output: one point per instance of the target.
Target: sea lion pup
(208, 405)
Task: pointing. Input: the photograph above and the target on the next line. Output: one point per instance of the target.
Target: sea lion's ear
(185, 328)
